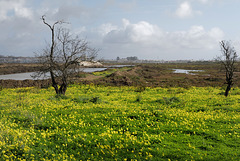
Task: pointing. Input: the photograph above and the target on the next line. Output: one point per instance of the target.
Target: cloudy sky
(148, 29)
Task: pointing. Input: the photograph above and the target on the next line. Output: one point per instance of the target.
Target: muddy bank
(18, 68)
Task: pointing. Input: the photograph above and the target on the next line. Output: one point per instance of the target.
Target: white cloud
(104, 29)
(185, 10)
(10, 8)
(145, 32)
(139, 32)
(149, 40)
(216, 33)
(198, 38)
(20, 32)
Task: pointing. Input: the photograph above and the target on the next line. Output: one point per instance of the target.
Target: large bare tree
(61, 58)
(228, 59)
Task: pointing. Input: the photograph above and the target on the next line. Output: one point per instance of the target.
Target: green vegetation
(110, 71)
(119, 123)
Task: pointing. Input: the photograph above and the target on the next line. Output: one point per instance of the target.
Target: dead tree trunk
(62, 58)
(228, 60)
(229, 86)
(51, 55)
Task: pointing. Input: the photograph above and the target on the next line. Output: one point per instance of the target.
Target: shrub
(95, 100)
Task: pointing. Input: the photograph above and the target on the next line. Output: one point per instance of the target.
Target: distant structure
(131, 59)
(90, 64)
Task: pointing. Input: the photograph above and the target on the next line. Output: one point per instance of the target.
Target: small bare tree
(228, 59)
(61, 58)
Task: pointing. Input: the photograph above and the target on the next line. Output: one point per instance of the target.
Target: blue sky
(148, 29)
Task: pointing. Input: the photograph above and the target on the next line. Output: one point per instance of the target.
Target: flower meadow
(119, 123)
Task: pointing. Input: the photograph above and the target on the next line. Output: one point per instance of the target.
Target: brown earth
(152, 75)
(17, 68)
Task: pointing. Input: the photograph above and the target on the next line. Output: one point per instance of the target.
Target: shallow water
(186, 71)
(24, 76)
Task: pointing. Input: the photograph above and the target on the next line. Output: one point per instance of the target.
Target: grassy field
(119, 123)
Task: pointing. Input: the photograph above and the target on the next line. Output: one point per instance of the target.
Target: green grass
(119, 123)
(110, 71)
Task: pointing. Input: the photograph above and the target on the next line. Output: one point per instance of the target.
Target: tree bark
(227, 90)
(63, 89)
(54, 83)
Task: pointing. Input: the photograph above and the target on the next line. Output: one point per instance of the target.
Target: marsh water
(191, 72)
(24, 76)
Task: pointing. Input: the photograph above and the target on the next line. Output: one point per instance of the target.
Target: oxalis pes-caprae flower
(171, 123)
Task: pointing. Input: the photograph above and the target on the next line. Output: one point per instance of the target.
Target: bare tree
(228, 59)
(61, 58)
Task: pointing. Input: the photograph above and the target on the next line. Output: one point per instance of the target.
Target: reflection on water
(23, 76)
(186, 71)
(18, 76)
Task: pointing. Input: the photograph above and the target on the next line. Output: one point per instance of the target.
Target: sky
(148, 29)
